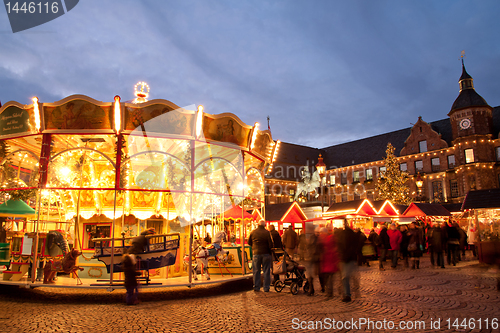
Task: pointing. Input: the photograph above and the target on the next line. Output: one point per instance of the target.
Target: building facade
(447, 158)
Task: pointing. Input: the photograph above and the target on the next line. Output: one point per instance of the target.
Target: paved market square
(424, 300)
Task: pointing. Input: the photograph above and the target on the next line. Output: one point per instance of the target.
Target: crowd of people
(327, 252)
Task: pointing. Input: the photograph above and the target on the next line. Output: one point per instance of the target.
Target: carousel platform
(65, 281)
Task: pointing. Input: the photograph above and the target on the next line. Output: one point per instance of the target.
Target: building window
(497, 151)
(382, 171)
(291, 191)
(355, 177)
(369, 174)
(344, 197)
(437, 191)
(419, 166)
(403, 167)
(435, 164)
(454, 188)
(343, 178)
(422, 146)
(357, 196)
(332, 180)
(469, 155)
(451, 161)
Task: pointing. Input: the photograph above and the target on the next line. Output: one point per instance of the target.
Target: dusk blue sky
(326, 72)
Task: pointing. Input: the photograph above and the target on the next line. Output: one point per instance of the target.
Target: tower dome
(468, 96)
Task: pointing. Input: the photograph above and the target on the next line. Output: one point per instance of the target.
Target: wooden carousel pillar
(44, 163)
(119, 146)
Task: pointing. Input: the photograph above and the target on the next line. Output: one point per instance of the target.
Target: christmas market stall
(98, 174)
(284, 215)
(428, 213)
(482, 209)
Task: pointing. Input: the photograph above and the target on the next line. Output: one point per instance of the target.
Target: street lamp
(321, 167)
(419, 182)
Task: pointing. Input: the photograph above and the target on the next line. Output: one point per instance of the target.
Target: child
(130, 279)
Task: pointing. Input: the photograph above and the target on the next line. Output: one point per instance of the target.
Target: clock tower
(470, 115)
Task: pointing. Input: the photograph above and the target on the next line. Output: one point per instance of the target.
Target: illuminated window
(355, 177)
(469, 155)
(369, 174)
(403, 167)
(422, 146)
(497, 150)
(332, 180)
(382, 171)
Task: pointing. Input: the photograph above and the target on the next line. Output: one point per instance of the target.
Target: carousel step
(13, 275)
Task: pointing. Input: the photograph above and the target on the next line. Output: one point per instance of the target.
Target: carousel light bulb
(65, 171)
(36, 112)
(199, 121)
(117, 114)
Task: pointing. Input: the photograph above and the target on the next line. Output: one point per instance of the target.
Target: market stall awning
(236, 213)
(285, 212)
(482, 199)
(16, 208)
(257, 215)
(357, 207)
(425, 209)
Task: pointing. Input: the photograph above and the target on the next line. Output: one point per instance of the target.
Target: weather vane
(462, 56)
(141, 91)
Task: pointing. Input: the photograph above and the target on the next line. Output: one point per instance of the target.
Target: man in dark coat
(453, 244)
(383, 244)
(290, 241)
(261, 243)
(437, 242)
(347, 248)
(275, 236)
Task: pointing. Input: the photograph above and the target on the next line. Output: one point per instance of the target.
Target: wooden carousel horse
(201, 254)
(65, 265)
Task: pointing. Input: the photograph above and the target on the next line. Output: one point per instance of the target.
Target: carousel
(96, 175)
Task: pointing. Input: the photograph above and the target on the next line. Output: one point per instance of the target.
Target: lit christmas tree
(392, 184)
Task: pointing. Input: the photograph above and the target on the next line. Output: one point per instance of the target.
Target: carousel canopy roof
(237, 214)
(16, 208)
(482, 199)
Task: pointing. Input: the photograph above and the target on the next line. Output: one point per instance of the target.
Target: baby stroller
(293, 276)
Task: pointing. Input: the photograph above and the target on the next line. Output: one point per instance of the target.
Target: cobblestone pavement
(412, 298)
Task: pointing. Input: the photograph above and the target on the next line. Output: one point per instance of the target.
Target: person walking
(405, 240)
(311, 260)
(395, 238)
(261, 243)
(452, 244)
(437, 242)
(384, 244)
(415, 245)
(347, 247)
(131, 284)
(290, 240)
(329, 260)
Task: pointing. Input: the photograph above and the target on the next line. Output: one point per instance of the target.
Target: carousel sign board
(15, 120)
